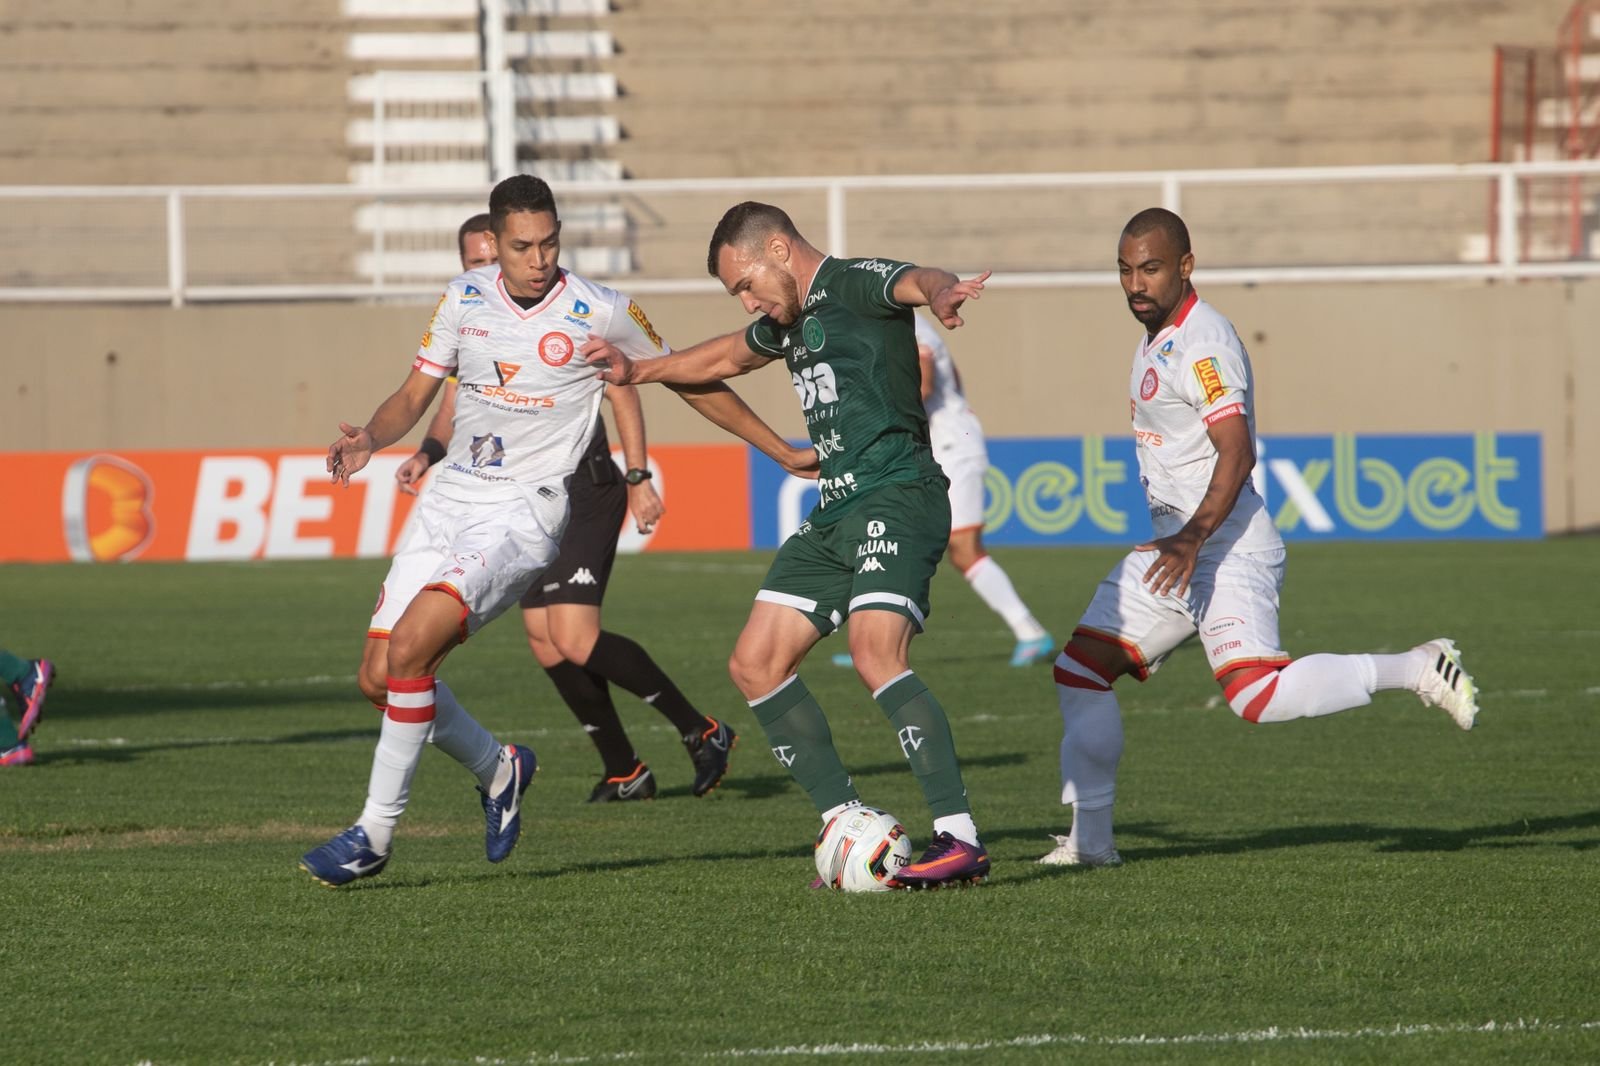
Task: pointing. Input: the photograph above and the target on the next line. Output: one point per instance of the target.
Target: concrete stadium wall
(1359, 358)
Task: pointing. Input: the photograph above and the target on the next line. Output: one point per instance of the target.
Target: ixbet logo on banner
(1085, 490)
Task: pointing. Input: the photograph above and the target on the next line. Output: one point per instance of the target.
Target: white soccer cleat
(1066, 855)
(1445, 684)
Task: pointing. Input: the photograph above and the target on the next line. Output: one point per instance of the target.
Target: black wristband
(636, 475)
(432, 449)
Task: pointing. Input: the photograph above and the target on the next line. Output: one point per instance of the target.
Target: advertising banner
(179, 505)
(1086, 490)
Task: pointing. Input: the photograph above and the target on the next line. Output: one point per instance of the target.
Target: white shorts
(1232, 602)
(965, 470)
(484, 554)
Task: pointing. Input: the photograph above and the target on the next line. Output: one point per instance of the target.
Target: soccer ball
(861, 849)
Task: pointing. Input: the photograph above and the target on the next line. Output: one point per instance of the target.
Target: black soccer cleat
(640, 784)
(710, 751)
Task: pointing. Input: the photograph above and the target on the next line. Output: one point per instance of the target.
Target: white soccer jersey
(1189, 376)
(952, 426)
(526, 402)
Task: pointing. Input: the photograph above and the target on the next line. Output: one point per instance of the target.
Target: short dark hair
(1159, 218)
(476, 224)
(520, 192)
(744, 224)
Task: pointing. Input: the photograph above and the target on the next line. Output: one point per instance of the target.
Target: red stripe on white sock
(411, 699)
(1253, 709)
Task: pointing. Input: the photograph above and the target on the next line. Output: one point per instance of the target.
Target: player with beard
(869, 549)
(1216, 563)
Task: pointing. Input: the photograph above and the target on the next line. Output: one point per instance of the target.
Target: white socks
(959, 826)
(992, 585)
(460, 736)
(1091, 747)
(1322, 684)
(407, 721)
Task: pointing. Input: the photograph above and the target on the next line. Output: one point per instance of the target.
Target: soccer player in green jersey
(868, 551)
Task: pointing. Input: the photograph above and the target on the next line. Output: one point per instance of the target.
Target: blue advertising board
(1085, 490)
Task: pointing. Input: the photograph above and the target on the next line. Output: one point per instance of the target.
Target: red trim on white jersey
(500, 286)
(1176, 324)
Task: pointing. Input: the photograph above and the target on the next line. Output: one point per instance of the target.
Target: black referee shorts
(588, 547)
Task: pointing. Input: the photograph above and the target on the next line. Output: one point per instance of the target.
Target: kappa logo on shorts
(582, 577)
(1148, 387)
(556, 349)
(469, 558)
(871, 566)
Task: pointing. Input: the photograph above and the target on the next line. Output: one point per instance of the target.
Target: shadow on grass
(78, 704)
(122, 753)
(1384, 839)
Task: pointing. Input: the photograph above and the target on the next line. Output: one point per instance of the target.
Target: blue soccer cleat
(502, 812)
(1028, 652)
(843, 658)
(345, 858)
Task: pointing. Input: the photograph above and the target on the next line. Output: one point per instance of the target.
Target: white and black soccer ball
(861, 849)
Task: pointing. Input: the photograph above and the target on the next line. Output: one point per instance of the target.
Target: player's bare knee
(1110, 661)
(964, 554)
(374, 682)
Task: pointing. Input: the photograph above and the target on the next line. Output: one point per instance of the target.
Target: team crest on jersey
(642, 320)
(488, 450)
(506, 371)
(812, 334)
(555, 349)
(471, 295)
(1210, 378)
(1148, 387)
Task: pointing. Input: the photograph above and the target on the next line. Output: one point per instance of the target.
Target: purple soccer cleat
(947, 861)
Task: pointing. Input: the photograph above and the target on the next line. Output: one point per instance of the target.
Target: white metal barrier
(1510, 261)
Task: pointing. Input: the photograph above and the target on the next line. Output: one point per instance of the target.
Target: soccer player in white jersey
(492, 524)
(958, 445)
(1215, 565)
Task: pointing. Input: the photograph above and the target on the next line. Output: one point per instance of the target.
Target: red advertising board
(197, 505)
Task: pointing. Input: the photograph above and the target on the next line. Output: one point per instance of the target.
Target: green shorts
(878, 556)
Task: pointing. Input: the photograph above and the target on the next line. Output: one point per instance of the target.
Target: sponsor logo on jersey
(506, 371)
(816, 298)
(1224, 648)
(832, 444)
(579, 314)
(812, 333)
(1223, 412)
(473, 331)
(835, 488)
(503, 395)
(1210, 378)
(427, 334)
(1160, 354)
(875, 528)
(878, 547)
(556, 349)
(1148, 438)
(1148, 387)
(877, 266)
(471, 295)
(488, 450)
(871, 566)
(641, 320)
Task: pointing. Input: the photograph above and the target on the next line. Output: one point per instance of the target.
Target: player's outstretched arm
(938, 290)
(643, 500)
(1176, 557)
(723, 407)
(435, 443)
(713, 360)
(392, 420)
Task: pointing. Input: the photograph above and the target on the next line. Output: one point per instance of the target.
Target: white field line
(220, 686)
(1274, 1034)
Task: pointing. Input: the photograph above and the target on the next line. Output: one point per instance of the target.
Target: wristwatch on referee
(635, 475)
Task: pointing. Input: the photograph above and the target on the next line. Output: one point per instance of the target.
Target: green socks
(924, 734)
(800, 739)
(13, 669)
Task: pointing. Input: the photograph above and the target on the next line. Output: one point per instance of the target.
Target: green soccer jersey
(853, 360)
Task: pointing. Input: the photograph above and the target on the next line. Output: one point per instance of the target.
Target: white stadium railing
(1499, 227)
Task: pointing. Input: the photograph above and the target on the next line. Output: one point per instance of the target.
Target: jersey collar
(555, 290)
(806, 296)
(1177, 323)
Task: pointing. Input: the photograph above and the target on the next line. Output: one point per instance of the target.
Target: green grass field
(1372, 887)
